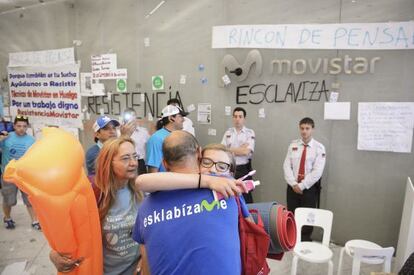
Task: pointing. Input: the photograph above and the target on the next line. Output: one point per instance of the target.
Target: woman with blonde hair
(217, 168)
(116, 170)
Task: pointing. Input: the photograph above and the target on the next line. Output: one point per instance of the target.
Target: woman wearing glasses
(216, 160)
(116, 170)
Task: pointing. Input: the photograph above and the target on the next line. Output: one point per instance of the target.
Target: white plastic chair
(351, 245)
(313, 252)
(366, 252)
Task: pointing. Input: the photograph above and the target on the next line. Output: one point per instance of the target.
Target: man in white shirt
(241, 140)
(303, 169)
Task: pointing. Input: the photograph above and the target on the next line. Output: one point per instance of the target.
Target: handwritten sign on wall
(43, 58)
(103, 62)
(357, 36)
(385, 126)
(104, 66)
(46, 94)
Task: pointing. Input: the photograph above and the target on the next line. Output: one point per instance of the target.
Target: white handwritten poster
(46, 94)
(358, 36)
(103, 62)
(104, 66)
(42, 58)
(385, 126)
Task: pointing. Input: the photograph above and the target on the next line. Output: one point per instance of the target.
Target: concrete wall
(364, 189)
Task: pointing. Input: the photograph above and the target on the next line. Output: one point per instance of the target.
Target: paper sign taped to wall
(86, 84)
(337, 111)
(262, 113)
(212, 132)
(385, 126)
(146, 41)
(226, 80)
(351, 36)
(227, 110)
(191, 107)
(204, 113)
(46, 58)
(333, 97)
(183, 78)
(104, 62)
(111, 74)
(98, 89)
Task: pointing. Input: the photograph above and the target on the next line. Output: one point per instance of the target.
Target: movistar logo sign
(241, 71)
(183, 211)
(330, 66)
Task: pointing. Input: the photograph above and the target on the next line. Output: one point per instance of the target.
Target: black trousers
(242, 170)
(309, 198)
(142, 168)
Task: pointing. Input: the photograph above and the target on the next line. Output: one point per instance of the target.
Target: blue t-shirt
(91, 156)
(154, 149)
(14, 147)
(120, 251)
(187, 232)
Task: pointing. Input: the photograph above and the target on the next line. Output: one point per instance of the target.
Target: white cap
(171, 110)
(102, 121)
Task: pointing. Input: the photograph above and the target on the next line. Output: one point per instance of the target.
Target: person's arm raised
(172, 181)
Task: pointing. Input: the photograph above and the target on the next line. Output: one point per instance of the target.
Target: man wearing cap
(187, 124)
(240, 141)
(303, 168)
(104, 128)
(172, 120)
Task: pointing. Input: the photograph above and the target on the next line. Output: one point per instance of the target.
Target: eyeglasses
(220, 166)
(127, 158)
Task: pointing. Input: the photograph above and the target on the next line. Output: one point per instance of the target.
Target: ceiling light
(157, 7)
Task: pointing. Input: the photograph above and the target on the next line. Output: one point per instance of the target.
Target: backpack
(254, 245)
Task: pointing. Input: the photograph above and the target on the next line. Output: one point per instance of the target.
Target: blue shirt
(91, 156)
(187, 232)
(14, 147)
(154, 149)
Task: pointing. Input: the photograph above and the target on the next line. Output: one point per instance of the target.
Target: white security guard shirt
(140, 137)
(314, 164)
(232, 139)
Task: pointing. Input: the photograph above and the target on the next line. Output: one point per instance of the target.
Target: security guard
(240, 140)
(303, 168)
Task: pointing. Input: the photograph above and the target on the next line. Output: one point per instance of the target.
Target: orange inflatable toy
(51, 173)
